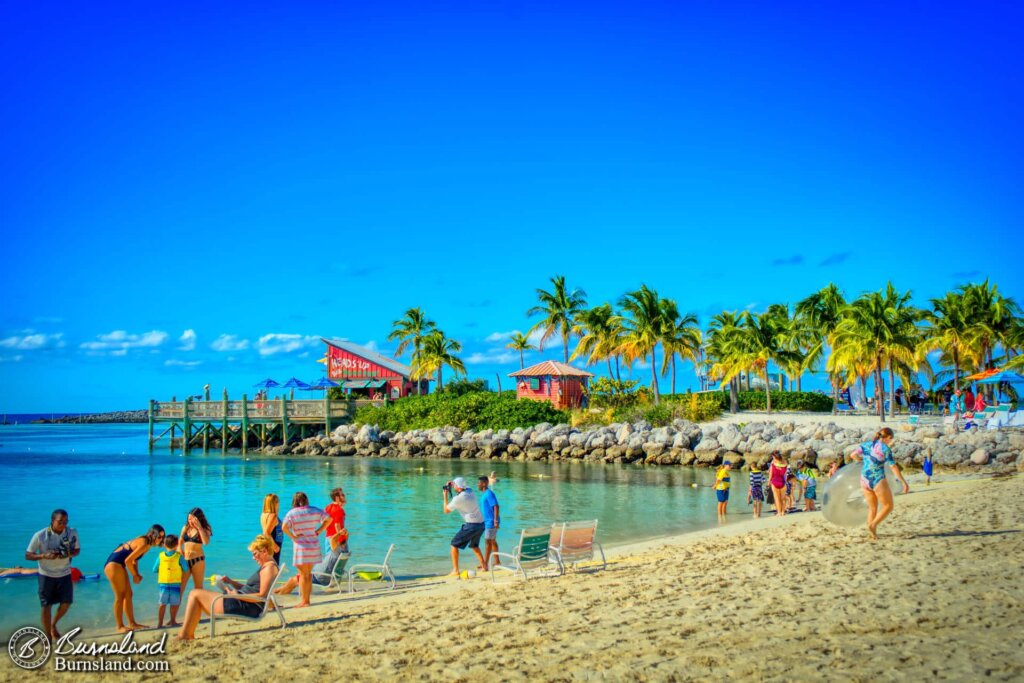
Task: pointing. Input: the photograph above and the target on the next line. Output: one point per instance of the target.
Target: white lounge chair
(336, 576)
(269, 605)
(373, 572)
(532, 554)
(574, 542)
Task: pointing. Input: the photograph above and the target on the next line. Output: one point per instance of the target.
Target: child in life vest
(171, 576)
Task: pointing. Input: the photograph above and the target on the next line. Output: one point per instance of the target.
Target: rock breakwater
(681, 443)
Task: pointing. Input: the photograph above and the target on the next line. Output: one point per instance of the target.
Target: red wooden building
(564, 386)
(364, 372)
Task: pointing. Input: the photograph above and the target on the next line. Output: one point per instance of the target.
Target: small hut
(560, 384)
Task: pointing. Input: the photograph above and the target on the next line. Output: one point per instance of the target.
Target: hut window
(534, 384)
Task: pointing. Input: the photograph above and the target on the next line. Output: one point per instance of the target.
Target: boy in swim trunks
(808, 477)
(755, 492)
(171, 576)
(927, 467)
(722, 488)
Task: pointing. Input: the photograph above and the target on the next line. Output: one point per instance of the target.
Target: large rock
(367, 434)
(980, 457)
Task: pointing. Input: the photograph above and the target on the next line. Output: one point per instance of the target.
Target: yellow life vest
(170, 568)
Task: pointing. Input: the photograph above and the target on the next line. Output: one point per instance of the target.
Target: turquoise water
(114, 490)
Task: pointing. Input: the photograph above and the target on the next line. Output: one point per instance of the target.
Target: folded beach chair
(269, 605)
(533, 554)
(373, 572)
(1000, 418)
(574, 542)
(336, 576)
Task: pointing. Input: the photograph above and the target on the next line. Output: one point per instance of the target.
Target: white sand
(939, 595)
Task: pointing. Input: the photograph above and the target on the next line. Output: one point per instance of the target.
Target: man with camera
(464, 502)
(53, 548)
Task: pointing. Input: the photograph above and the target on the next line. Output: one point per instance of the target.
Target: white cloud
(182, 363)
(187, 340)
(372, 345)
(30, 341)
(119, 342)
(500, 336)
(492, 357)
(229, 342)
(11, 359)
(270, 344)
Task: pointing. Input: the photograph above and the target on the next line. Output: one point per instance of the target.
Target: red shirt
(337, 514)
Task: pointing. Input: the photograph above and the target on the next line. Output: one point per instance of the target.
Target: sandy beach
(939, 595)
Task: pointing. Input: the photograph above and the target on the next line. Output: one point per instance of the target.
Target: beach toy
(369, 576)
(842, 502)
(468, 574)
(214, 578)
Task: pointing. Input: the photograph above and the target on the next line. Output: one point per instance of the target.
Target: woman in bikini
(270, 522)
(875, 454)
(777, 479)
(123, 560)
(194, 535)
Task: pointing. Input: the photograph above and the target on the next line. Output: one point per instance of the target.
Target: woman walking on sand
(194, 535)
(270, 522)
(303, 524)
(777, 480)
(123, 560)
(875, 454)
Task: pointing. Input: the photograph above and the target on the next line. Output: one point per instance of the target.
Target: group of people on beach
(182, 557)
(787, 485)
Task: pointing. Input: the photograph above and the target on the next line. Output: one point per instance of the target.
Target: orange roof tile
(551, 367)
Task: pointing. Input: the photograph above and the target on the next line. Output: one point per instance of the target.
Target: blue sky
(195, 194)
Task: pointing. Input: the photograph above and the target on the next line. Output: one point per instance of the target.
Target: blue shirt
(488, 502)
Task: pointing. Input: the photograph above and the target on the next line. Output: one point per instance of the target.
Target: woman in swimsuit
(123, 560)
(876, 454)
(194, 535)
(777, 479)
(270, 522)
(200, 601)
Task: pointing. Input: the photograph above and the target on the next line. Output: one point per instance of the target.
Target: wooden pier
(245, 424)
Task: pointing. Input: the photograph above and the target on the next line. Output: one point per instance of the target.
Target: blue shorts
(468, 535)
(170, 595)
(722, 495)
(810, 493)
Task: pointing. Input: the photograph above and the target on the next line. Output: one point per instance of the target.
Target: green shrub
(694, 407)
(458, 387)
(808, 401)
(474, 410)
(605, 392)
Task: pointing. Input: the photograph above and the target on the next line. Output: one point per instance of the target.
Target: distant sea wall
(123, 416)
(682, 443)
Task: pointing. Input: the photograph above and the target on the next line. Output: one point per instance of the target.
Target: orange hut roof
(551, 367)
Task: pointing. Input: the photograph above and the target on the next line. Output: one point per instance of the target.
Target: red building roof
(551, 367)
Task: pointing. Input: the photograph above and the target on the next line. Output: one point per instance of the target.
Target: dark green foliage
(807, 401)
(694, 407)
(458, 387)
(611, 393)
(474, 410)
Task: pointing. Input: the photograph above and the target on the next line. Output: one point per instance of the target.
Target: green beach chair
(532, 554)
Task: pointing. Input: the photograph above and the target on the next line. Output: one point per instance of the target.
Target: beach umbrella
(294, 384)
(984, 374)
(322, 384)
(1007, 376)
(266, 384)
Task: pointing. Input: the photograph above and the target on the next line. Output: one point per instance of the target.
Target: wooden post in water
(150, 424)
(224, 425)
(327, 414)
(187, 443)
(284, 420)
(174, 399)
(245, 424)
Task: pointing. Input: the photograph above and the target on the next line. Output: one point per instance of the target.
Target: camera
(449, 487)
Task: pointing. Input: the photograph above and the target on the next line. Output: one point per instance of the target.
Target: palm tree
(680, 336)
(991, 317)
(520, 342)
(436, 351)
(643, 326)
(948, 330)
(409, 331)
(560, 308)
(721, 327)
(598, 335)
(821, 313)
(758, 341)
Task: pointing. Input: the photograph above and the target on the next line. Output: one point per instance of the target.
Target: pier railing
(265, 409)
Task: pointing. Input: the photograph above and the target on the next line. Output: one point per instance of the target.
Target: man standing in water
(473, 521)
(492, 520)
(53, 548)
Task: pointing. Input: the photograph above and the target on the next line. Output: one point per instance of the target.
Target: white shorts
(490, 534)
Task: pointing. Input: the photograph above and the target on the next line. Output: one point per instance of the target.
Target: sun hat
(459, 483)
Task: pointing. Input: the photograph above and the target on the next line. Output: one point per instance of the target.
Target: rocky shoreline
(682, 443)
(117, 416)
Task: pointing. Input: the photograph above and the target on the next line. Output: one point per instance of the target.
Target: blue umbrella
(266, 384)
(295, 384)
(322, 384)
(1007, 376)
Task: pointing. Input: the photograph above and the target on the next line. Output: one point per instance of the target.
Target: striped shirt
(756, 480)
(303, 523)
